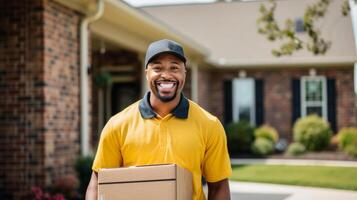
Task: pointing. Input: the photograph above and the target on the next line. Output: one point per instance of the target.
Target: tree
(316, 44)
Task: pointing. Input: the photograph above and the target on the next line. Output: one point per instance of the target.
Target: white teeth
(167, 85)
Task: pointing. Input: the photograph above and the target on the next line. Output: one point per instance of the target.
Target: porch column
(144, 85)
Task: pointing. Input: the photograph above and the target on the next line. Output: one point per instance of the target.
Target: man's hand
(219, 190)
(92, 189)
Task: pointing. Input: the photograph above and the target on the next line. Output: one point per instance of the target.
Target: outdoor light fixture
(102, 47)
(242, 74)
(312, 72)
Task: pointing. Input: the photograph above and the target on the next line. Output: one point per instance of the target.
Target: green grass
(317, 176)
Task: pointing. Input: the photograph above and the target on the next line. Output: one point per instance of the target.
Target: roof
(229, 32)
(131, 28)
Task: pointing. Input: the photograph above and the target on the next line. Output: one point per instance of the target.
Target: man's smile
(166, 86)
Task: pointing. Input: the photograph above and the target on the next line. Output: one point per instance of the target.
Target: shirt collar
(180, 111)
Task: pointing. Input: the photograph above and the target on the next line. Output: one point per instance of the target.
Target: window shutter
(331, 103)
(259, 102)
(296, 100)
(227, 87)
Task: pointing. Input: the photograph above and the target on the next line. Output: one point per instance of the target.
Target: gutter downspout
(85, 148)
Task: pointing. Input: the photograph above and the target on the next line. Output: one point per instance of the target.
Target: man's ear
(146, 74)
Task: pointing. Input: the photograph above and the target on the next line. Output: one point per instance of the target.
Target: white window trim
(322, 103)
(235, 106)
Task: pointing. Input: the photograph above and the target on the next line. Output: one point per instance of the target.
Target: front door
(123, 95)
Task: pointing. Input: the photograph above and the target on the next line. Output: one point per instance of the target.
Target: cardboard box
(149, 182)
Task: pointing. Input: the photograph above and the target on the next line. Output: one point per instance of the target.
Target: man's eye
(175, 68)
(156, 69)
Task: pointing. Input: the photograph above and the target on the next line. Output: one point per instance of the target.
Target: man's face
(166, 77)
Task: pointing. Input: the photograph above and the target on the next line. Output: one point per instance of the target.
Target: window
(299, 25)
(314, 96)
(243, 100)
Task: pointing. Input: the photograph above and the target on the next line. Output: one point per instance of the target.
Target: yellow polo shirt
(189, 136)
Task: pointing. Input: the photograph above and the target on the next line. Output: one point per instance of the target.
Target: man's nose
(166, 73)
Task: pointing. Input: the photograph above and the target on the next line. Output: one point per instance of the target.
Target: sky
(138, 3)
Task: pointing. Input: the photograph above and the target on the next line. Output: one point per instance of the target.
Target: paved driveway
(262, 191)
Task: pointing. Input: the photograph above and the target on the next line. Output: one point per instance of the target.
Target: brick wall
(61, 90)
(187, 87)
(278, 94)
(22, 98)
(39, 86)
(204, 88)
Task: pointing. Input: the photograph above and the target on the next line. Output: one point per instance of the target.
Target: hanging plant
(103, 79)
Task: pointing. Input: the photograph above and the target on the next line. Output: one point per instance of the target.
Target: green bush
(239, 137)
(83, 168)
(267, 132)
(296, 149)
(313, 132)
(262, 146)
(347, 140)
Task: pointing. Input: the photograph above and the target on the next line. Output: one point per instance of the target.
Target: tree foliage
(291, 41)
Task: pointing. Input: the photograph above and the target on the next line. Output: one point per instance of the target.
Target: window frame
(305, 104)
(235, 107)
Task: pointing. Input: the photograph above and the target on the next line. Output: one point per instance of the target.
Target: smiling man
(166, 127)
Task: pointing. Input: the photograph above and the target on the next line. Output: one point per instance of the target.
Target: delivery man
(166, 127)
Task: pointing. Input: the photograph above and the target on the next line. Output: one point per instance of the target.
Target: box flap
(137, 174)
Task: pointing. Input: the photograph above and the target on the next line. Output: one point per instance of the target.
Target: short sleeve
(216, 162)
(108, 153)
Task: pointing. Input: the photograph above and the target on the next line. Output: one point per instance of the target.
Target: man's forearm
(219, 190)
(219, 195)
(92, 189)
(91, 194)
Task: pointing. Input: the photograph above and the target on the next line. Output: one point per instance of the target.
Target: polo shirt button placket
(162, 135)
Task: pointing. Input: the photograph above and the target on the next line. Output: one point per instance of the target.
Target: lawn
(318, 176)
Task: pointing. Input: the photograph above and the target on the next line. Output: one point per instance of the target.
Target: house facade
(66, 66)
(244, 81)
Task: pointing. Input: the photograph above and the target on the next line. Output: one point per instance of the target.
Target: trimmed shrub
(262, 146)
(239, 137)
(347, 138)
(296, 149)
(313, 132)
(267, 132)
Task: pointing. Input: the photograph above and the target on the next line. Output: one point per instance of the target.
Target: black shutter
(259, 102)
(296, 101)
(331, 103)
(227, 87)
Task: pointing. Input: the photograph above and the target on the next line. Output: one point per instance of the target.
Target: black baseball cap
(164, 46)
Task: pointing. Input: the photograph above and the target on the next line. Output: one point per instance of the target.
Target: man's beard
(163, 98)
